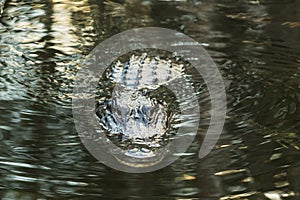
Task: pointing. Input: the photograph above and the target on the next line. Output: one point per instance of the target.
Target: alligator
(134, 107)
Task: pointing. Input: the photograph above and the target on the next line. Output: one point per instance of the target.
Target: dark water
(256, 46)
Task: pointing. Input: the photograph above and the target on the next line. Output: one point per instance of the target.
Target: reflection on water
(256, 45)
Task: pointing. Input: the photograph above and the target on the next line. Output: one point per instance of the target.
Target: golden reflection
(291, 24)
(133, 8)
(281, 184)
(227, 172)
(238, 196)
(247, 180)
(63, 30)
(133, 13)
(275, 156)
(185, 177)
(280, 175)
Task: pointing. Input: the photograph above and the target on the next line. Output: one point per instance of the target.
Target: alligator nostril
(136, 113)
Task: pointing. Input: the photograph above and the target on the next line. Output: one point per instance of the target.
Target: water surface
(256, 46)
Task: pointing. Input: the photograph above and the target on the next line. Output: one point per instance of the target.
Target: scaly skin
(132, 113)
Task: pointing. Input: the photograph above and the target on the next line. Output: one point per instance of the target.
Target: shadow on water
(256, 45)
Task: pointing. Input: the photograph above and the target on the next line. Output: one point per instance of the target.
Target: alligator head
(138, 114)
